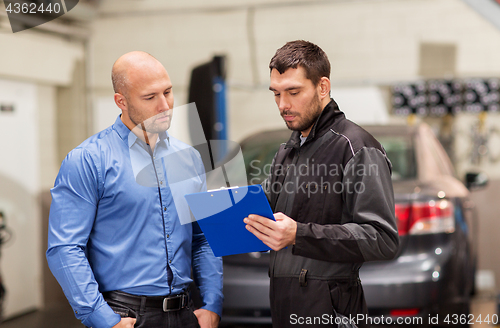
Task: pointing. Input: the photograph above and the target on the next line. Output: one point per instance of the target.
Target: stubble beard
(308, 118)
(150, 125)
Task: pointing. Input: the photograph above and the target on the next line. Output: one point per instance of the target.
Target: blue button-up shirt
(119, 221)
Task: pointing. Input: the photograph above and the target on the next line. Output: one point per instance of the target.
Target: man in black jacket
(331, 191)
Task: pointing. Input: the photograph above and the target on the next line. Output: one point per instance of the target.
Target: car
(432, 276)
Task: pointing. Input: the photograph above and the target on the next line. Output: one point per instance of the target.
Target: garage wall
(368, 43)
(20, 261)
(36, 71)
(36, 57)
(487, 205)
(47, 141)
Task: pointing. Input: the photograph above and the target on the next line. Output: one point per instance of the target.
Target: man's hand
(206, 318)
(275, 234)
(125, 323)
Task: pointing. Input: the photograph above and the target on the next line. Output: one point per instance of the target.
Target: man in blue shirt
(121, 241)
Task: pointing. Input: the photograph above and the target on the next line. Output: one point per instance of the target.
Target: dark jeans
(155, 317)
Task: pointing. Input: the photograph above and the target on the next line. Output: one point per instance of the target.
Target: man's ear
(324, 88)
(120, 101)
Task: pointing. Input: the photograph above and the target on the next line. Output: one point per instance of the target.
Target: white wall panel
(20, 261)
(47, 141)
(38, 57)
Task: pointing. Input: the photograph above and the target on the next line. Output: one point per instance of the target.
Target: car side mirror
(475, 181)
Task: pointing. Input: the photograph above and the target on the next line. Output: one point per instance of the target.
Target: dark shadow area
(56, 316)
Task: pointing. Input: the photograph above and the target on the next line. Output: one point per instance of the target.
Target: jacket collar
(330, 114)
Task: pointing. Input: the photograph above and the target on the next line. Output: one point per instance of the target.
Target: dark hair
(302, 53)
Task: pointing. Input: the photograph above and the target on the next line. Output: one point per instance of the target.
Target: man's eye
(149, 98)
(294, 93)
(276, 94)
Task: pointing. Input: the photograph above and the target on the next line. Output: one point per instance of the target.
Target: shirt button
(169, 261)
(161, 182)
(165, 208)
(168, 236)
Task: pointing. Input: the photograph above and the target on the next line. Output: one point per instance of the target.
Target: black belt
(167, 303)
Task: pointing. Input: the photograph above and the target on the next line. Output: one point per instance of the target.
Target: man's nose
(283, 103)
(164, 106)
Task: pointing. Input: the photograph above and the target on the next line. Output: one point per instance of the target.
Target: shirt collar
(121, 129)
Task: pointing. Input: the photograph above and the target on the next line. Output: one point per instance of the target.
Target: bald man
(118, 242)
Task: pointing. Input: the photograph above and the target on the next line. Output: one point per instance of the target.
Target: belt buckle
(166, 301)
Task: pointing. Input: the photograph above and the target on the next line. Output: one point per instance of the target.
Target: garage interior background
(55, 90)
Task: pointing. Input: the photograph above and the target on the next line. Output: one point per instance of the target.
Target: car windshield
(400, 152)
(259, 155)
(258, 159)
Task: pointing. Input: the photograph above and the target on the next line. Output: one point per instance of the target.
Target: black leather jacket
(338, 188)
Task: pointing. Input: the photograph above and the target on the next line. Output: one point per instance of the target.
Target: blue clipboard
(220, 214)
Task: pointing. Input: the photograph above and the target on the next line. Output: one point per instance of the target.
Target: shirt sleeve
(74, 203)
(207, 269)
(207, 272)
(368, 231)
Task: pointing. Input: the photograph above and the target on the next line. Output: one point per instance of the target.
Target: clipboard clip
(223, 188)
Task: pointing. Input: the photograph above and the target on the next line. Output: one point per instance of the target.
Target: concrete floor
(62, 316)
(58, 316)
